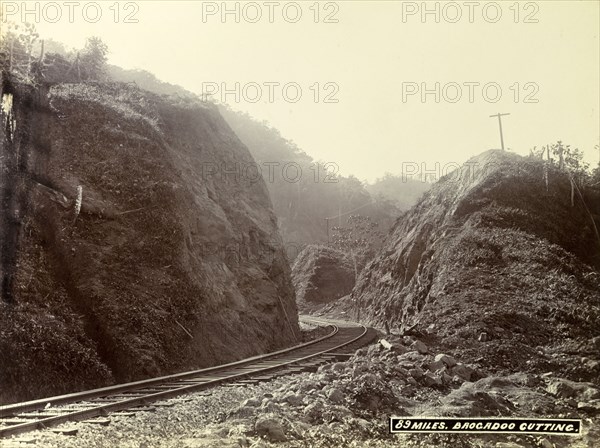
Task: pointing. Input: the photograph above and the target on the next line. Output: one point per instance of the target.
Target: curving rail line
(38, 414)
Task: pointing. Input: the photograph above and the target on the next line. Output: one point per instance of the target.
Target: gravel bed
(189, 422)
(347, 404)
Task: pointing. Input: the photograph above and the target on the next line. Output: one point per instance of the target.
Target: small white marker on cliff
(78, 201)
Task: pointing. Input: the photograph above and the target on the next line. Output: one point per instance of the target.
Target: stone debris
(462, 371)
(589, 406)
(416, 372)
(446, 359)
(251, 402)
(563, 388)
(432, 380)
(436, 365)
(67, 431)
(420, 347)
(271, 427)
(335, 395)
(385, 344)
(347, 401)
(293, 399)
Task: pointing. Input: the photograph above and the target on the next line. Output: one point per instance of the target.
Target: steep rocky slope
(494, 264)
(321, 275)
(168, 262)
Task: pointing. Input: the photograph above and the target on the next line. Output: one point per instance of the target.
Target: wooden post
(499, 115)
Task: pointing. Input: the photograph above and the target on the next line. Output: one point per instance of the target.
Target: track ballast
(38, 414)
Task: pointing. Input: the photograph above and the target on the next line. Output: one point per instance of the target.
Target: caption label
(486, 425)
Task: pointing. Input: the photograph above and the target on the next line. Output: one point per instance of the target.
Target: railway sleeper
(244, 374)
(36, 415)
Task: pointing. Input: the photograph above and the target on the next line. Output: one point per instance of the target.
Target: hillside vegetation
(494, 263)
(122, 256)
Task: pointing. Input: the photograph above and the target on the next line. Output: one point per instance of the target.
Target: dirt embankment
(170, 260)
(496, 265)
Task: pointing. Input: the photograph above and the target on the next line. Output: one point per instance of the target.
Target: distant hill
(403, 191)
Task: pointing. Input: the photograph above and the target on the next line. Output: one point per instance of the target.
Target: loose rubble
(347, 404)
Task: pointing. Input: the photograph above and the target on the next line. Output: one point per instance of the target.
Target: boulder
(436, 365)
(432, 380)
(293, 399)
(270, 427)
(338, 367)
(412, 381)
(561, 389)
(446, 359)
(251, 402)
(411, 356)
(314, 411)
(446, 379)
(462, 371)
(419, 347)
(593, 364)
(589, 406)
(416, 372)
(335, 395)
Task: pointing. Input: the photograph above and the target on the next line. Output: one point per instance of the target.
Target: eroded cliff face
(321, 275)
(490, 249)
(170, 260)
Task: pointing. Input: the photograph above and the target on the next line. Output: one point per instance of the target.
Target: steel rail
(203, 380)
(41, 403)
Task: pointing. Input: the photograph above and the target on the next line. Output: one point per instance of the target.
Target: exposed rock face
(490, 250)
(321, 275)
(173, 262)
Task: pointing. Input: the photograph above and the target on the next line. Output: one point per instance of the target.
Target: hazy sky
(377, 59)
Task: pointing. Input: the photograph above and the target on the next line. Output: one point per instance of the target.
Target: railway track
(338, 343)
